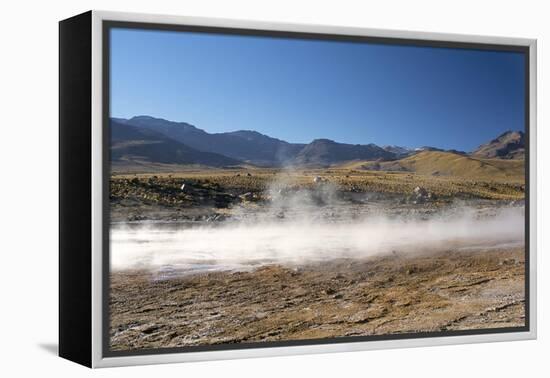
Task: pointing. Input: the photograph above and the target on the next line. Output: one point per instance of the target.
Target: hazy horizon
(300, 90)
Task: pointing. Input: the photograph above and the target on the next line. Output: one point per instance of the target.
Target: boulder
(247, 196)
(420, 191)
(421, 195)
(319, 180)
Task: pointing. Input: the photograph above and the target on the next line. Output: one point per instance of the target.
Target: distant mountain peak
(509, 135)
(324, 152)
(133, 146)
(243, 145)
(253, 132)
(428, 148)
(322, 141)
(399, 151)
(142, 117)
(508, 145)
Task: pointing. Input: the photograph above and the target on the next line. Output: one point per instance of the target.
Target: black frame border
(107, 25)
(75, 186)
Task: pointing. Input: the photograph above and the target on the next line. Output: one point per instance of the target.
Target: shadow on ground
(51, 348)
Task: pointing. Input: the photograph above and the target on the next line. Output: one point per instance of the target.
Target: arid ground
(454, 285)
(392, 294)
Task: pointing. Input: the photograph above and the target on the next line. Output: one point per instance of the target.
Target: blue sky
(300, 90)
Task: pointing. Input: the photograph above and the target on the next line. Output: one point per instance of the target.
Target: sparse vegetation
(437, 163)
(164, 188)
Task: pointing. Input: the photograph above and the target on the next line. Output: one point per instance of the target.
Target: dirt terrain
(204, 195)
(450, 287)
(449, 290)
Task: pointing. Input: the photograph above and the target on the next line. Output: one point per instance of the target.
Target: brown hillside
(437, 163)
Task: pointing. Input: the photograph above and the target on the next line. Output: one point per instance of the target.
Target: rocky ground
(214, 195)
(436, 291)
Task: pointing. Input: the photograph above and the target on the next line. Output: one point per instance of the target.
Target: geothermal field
(243, 255)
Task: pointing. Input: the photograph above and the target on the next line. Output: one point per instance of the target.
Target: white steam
(243, 245)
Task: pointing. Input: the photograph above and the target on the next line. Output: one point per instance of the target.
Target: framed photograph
(233, 189)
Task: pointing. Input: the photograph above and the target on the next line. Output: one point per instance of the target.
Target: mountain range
(326, 152)
(509, 145)
(244, 145)
(133, 144)
(145, 139)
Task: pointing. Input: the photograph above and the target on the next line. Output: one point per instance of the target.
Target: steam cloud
(308, 236)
